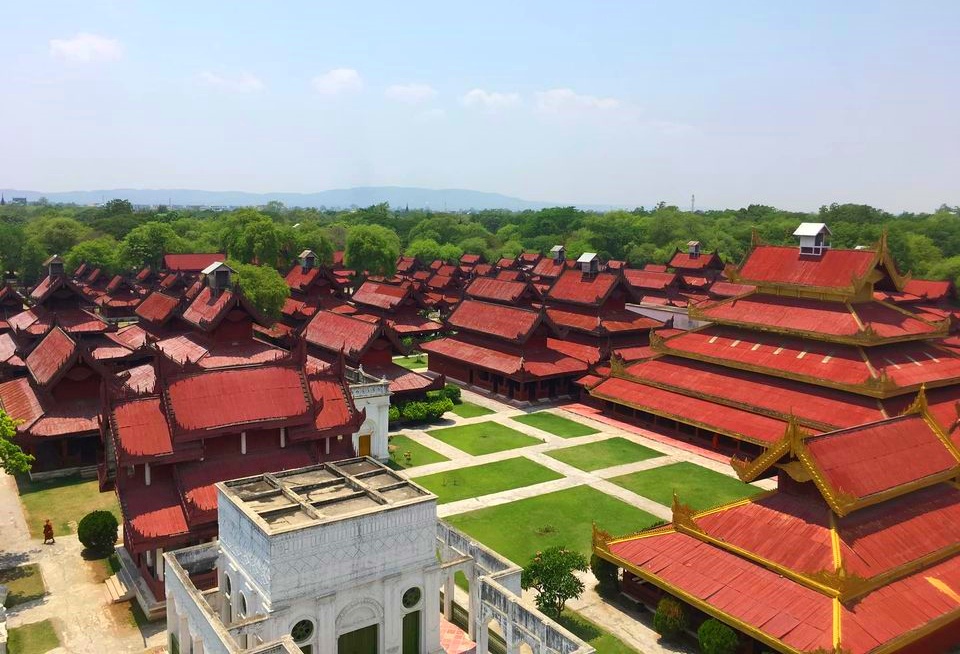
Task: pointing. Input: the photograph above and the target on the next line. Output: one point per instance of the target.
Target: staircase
(119, 587)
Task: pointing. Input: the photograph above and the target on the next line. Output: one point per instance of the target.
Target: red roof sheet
(606, 321)
(548, 268)
(207, 309)
(221, 398)
(497, 290)
(49, 357)
(580, 288)
(716, 417)
(403, 380)
(470, 259)
(541, 362)
(774, 264)
(20, 402)
(729, 289)
(929, 290)
(413, 324)
(334, 331)
(704, 260)
(382, 296)
(300, 279)
(649, 279)
(140, 428)
(191, 262)
(509, 323)
(153, 512)
(8, 348)
(873, 458)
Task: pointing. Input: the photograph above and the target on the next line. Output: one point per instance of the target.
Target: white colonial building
(345, 558)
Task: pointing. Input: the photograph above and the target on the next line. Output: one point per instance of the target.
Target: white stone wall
(376, 424)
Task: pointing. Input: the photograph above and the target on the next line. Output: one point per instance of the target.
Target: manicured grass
(33, 638)
(24, 583)
(699, 487)
(62, 501)
(470, 410)
(556, 425)
(483, 438)
(518, 529)
(412, 361)
(485, 479)
(603, 454)
(420, 455)
(602, 641)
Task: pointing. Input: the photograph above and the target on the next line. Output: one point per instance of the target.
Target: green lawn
(62, 501)
(412, 361)
(518, 529)
(24, 582)
(485, 479)
(470, 410)
(483, 438)
(699, 487)
(420, 455)
(554, 424)
(602, 641)
(33, 638)
(603, 454)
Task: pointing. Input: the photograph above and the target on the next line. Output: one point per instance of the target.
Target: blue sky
(790, 104)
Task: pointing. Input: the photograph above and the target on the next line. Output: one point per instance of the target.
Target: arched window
(411, 597)
(243, 605)
(227, 588)
(302, 634)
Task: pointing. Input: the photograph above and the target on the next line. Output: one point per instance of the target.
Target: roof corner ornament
(601, 539)
(683, 516)
(919, 404)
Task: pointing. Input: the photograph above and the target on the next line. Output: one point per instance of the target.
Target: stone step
(118, 589)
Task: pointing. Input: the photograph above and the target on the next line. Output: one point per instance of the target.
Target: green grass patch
(412, 361)
(483, 438)
(602, 641)
(33, 638)
(420, 455)
(63, 501)
(699, 487)
(485, 479)
(24, 583)
(470, 410)
(603, 454)
(519, 529)
(554, 424)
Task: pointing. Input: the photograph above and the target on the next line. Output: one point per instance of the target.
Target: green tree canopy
(102, 252)
(263, 286)
(551, 574)
(146, 245)
(13, 460)
(372, 249)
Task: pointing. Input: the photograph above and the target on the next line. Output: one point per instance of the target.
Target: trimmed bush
(670, 619)
(607, 575)
(414, 411)
(437, 408)
(393, 414)
(451, 392)
(717, 638)
(98, 531)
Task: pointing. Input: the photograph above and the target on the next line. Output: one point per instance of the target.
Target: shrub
(393, 414)
(451, 392)
(669, 620)
(98, 531)
(717, 638)
(414, 411)
(606, 574)
(437, 408)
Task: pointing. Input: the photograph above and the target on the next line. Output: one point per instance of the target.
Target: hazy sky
(791, 104)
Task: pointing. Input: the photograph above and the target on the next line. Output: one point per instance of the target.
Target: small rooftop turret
(693, 249)
(308, 260)
(814, 238)
(54, 265)
(589, 263)
(558, 253)
(218, 276)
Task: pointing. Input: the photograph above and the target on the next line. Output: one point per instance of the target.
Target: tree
(13, 460)
(145, 245)
(715, 637)
(100, 253)
(551, 574)
(669, 620)
(607, 575)
(372, 249)
(259, 241)
(58, 234)
(424, 249)
(32, 256)
(263, 286)
(98, 531)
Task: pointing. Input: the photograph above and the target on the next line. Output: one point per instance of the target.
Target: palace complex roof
(380, 295)
(191, 262)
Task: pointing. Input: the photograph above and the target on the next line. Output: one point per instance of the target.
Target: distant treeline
(118, 238)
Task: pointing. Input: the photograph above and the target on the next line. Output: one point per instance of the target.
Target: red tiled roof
(635, 352)
(548, 268)
(684, 261)
(694, 281)
(191, 262)
(153, 512)
(649, 279)
(68, 419)
(207, 353)
(49, 357)
(439, 281)
(775, 264)
(541, 362)
(510, 275)
(881, 456)
(506, 263)
(382, 296)
(582, 351)
(470, 259)
(488, 288)
(609, 321)
(729, 289)
(929, 289)
(509, 323)
(8, 348)
(221, 398)
(580, 288)
(413, 324)
(403, 380)
(140, 428)
(139, 379)
(656, 267)
(335, 332)
(530, 257)
(208, 309)
(157, 307)
(18, 399)
(715, 417)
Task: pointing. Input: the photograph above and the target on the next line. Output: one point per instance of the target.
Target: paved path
(76, 601)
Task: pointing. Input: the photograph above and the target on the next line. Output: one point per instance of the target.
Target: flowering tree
(551, 574)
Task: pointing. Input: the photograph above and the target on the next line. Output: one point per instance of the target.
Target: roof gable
(583, 288)
(380, 295)
(335, 332)
(51, 356)
(497, 320)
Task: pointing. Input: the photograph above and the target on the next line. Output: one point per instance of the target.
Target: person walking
(48, 533)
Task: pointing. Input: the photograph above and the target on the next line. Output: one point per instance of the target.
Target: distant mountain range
(361, 196)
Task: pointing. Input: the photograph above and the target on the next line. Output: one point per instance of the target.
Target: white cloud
(86, 48)
(337, 81)
(242, 83)
(433, 115)
(490, 99)
(561, 100)
(411, 93)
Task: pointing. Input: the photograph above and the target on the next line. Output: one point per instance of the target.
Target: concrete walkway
(76, 601)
